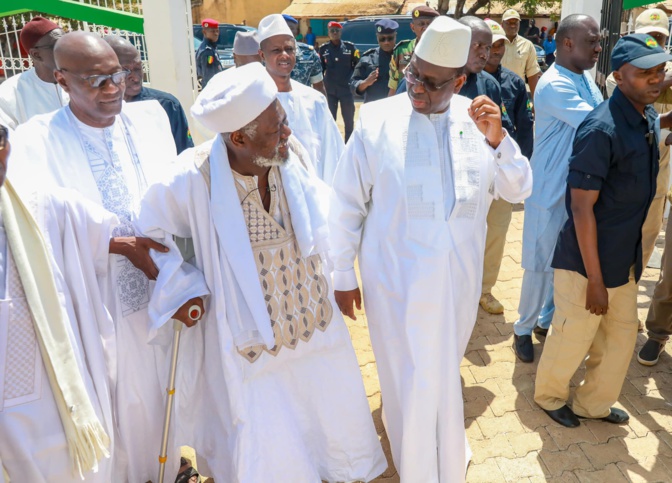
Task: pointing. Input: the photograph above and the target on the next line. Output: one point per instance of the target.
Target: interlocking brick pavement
(512, 439)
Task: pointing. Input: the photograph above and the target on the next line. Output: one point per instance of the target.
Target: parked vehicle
(541, 57)
(361, 31)
(227, 33)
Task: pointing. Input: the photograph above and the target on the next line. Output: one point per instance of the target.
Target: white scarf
(87, 440)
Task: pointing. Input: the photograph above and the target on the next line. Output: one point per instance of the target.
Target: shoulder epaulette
(370, 51)
(401, 42)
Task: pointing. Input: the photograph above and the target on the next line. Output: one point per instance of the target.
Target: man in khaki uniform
(654, 22)
(520, 55)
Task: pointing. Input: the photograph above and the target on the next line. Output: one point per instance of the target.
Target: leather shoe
(522, 345)
(616, 416)
(564, 416)
(540, 331)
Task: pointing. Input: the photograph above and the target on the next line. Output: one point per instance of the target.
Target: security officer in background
(421, 17)
(308, 68)
(372, 73)
(207, 60)
(339, 59)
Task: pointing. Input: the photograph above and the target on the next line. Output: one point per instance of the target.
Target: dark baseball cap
(640, 50)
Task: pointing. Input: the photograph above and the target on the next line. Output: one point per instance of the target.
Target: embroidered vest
(294, 287)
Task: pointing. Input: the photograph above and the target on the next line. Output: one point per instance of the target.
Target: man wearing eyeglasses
(130, 60)
(372, 72)
(111, 155)
(34, 91)
(410, 198)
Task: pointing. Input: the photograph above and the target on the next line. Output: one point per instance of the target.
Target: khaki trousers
(607, 340)
(654, 218)
(499, 218)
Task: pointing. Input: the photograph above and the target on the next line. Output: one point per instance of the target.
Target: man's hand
(488, 118)
(182, 313)
(136, 249)
(597, 298)
(345, 300)
(372, 77)
(668, 140)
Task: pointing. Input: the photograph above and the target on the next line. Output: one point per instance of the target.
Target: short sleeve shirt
(308, 68)
(521, 57)
(615, 152)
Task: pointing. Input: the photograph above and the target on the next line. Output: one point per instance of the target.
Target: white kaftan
(25, 95)
(33, 445)
(113, 167)
(294, 410)
(415, 190)
(311, 122)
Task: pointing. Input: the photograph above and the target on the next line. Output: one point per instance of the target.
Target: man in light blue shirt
(564, 96)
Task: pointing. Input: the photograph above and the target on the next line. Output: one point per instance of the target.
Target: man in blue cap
(372, 72)
(598, 256)
(308, 68)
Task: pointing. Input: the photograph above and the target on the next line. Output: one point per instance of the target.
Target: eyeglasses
(427, 85)
(4, 137)
(97, 81)
(386, 38)
(48, 47)
(334, 30)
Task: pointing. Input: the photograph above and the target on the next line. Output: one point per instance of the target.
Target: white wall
(170, 46)
(588, 7)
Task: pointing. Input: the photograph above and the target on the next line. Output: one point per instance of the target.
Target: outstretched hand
(136, 249)
(346, 299)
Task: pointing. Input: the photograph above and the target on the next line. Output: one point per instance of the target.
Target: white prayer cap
(234, 98)
(497, 30)
(445, 43)
(246, 43)
(273, 25)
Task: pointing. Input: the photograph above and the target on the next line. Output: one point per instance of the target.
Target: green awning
(635, 3)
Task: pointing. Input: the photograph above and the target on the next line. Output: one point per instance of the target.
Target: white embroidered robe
(52, 146)
(311, 122)
(298, 413)
(421, 222)
(33, 444)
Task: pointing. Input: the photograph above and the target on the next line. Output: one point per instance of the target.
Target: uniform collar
(632, 115)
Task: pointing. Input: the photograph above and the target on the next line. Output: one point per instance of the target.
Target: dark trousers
(550, 58)
(342, 94)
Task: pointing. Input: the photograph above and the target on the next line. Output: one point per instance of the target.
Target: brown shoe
(490, 304)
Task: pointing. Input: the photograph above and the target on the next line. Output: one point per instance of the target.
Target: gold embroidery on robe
(294, 287)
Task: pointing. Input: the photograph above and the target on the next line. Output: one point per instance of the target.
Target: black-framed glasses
(386, 38)
(97, 81)
(427, 85)
(334, 30)
(4, 137)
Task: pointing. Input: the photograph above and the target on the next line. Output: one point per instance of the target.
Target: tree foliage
(526, 7)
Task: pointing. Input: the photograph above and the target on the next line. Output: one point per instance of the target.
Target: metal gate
(610, 25)
(14, 59)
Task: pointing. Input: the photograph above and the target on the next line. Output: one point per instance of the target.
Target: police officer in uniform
(308, 68)
(207, 60)
(421, 17)
(372, 73)
(339, 59)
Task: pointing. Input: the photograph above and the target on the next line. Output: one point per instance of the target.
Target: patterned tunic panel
(294, 287)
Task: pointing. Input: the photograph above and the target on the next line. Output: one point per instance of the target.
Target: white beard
(276, 160)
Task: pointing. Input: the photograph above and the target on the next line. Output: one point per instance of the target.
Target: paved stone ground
(511, 438)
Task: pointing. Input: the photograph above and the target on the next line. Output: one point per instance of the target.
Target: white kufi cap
(273, 25)
(445, 43)
(234, 98)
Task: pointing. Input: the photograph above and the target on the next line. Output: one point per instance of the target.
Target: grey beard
(276, 160)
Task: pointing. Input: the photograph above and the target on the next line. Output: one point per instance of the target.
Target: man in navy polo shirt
(598, 256)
